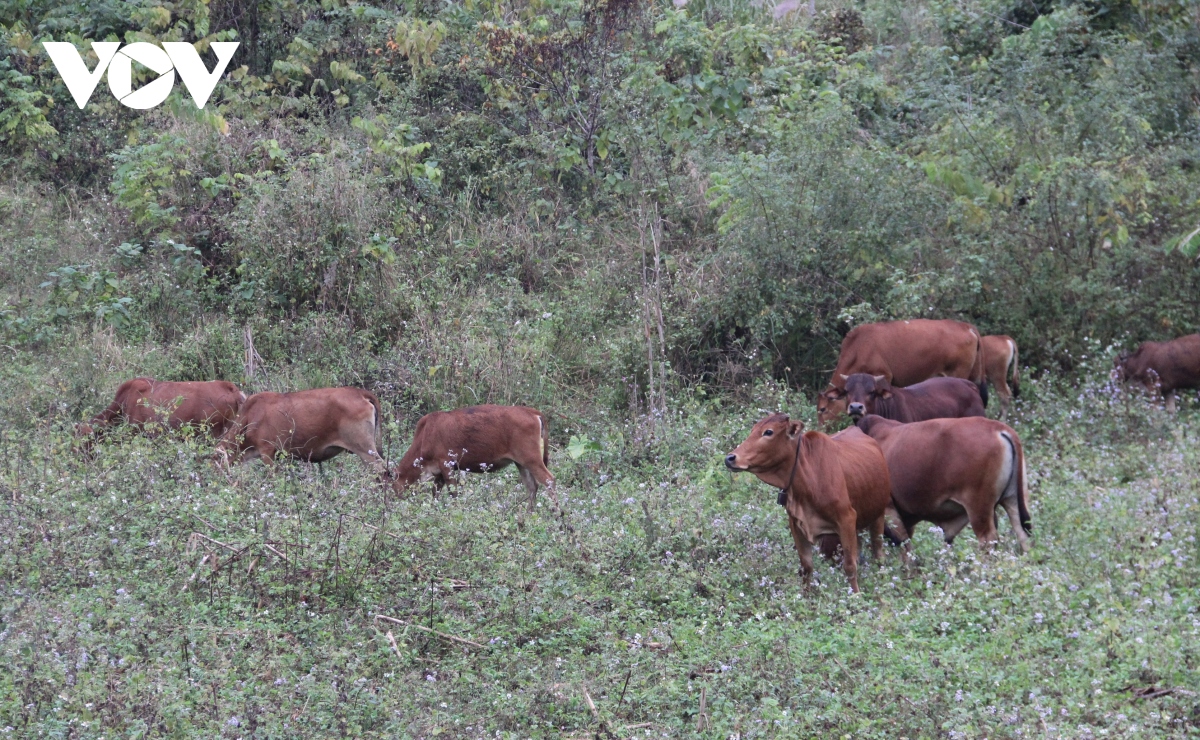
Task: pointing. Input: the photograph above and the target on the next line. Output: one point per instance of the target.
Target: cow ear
(795, 428)
(885, 393)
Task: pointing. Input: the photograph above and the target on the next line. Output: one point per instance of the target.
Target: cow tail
(1018, 478)
(1016, 375)
(545, 441)
(378, 423)
(978, 371)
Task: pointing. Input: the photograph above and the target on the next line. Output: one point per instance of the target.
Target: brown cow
(936, 398)
(212, 405)
(999, 357)
(1163, 366)
(478, 439)
(954, 471)
(829, 485)
(312, 425)
(905, 353)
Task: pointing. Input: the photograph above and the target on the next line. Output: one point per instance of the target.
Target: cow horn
(843, 376)
(880, 378)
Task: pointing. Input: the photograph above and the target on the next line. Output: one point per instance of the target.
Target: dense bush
(759, 184)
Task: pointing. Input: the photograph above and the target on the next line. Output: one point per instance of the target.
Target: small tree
(565, 66)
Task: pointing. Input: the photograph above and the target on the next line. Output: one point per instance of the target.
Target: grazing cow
(478, 439)
(954, 471)
(212, 405)
(904, 353)
(1165, 366)
(312, 425)
(936, 398)
(830, 486)
(999, 357)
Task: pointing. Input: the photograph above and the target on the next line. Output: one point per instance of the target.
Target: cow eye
(768, 432)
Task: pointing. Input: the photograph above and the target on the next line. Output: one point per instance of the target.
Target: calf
(1163, 366)
(830, 486)
(999, 357)
(312, 425)
(936, 398)
(210, 405)
(478, 439)
(954, 471)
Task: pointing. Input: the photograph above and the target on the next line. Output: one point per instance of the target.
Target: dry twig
(443, 635)
(392, 641)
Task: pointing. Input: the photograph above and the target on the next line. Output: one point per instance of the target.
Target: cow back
(940, 454)
(936, 398)
(908, 352)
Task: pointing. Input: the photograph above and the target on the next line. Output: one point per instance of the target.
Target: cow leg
(373, 461)
(893, 520)
(539, 473)
(1014, 519)
(1005, 401)
(531, 485)
(951, 528)
(804, 549)
(265, 452)
(1170, 398)
(877, 541)
(848, 533)
(983, 523)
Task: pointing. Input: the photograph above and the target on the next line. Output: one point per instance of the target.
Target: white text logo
(172, 57)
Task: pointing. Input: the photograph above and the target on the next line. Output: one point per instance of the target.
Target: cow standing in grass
(953, 472)
(1163, 366)
(142, 402)
(1000, 363)
(830, 486)
(904, 353)
(312, 425)
(478, 439)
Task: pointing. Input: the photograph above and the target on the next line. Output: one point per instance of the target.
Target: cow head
(771, 444)
(831, 403)
(863, 391)
(1120, 371)
(84, 441)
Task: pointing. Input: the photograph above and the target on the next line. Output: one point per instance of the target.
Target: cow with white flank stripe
(953, 472)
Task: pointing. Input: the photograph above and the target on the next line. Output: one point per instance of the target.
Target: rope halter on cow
(783, 492)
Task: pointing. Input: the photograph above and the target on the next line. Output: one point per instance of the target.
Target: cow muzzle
(731, 462)
(856, 410)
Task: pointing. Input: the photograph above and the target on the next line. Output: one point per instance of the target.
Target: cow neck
(783, 492)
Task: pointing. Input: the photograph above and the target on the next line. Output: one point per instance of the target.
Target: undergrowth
(146, 593)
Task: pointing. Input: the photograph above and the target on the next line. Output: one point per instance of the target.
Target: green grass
(122, 616)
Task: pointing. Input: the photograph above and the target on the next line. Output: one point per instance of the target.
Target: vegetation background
(654, 222)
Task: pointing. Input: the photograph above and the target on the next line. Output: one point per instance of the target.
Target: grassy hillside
(654, 223)
(148, 594)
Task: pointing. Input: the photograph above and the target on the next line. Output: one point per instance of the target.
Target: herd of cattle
(921, 448)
